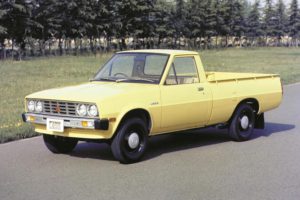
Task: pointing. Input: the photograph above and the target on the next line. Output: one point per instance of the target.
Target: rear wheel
(130, 142)
(242, 124)
(58, 144)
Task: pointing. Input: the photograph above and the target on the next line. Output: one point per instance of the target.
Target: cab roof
(162, 51)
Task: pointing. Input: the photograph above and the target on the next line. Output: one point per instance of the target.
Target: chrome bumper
(70, 122)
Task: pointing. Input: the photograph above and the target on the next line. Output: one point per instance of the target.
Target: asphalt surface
(192, 165)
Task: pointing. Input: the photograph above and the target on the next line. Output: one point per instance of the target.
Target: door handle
(200, 89)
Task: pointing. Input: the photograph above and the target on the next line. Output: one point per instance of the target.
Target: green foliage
(201, 18)
(135, 18)
(254, 25)
(16, 20)
(294, 19)
(76, 16)
(44, 20)
(105, 12)
(47, 15)
(269, 21)
(163, 16)
(209, 19)
(221, 15)
(195, 19)
(3, 13)
(280, 26)
(180, 16)
(238, 18)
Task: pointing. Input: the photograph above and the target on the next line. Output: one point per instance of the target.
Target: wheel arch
(139, 113)
(250, 101)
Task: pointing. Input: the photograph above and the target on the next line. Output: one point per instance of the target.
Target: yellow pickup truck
(143, 93)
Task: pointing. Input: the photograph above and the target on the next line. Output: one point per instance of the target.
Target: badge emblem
(57, 108)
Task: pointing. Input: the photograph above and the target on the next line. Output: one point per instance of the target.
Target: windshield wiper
(123, 79)
(104, 79)
(135, 79)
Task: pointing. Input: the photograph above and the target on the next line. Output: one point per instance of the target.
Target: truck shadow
(93, 150)
(272, 128)
(168, 143)
(192, 139)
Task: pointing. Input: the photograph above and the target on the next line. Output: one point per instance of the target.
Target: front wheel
(242, 124)
(130, 142)
(58, 144)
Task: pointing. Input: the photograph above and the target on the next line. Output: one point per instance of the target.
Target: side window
(183, 71)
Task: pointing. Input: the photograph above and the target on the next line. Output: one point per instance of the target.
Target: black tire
(242, 123)
(58, 144)
(126, 151)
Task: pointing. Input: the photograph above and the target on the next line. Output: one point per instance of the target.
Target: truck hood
(92, 92)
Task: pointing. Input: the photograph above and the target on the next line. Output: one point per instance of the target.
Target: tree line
(82, 25)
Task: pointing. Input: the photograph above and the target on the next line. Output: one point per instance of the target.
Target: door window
(183, 71)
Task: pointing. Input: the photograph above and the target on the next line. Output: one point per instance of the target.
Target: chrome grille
(59, 108)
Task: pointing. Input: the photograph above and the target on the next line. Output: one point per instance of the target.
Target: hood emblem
(57, 108)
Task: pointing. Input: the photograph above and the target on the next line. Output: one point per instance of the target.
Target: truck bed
(229, 89)
(229, 76)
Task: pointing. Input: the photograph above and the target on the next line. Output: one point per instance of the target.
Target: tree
(86, 15)
(254, 26)
(136, 19)
(164, 21)
(238, 19)
(294, 21)
(221, 24)
(209, 21)
(180, 17)
(269, 21)
(144, 18)
(280, 20)
(46, 14)
(3, 30)
(108, 20)
(75, 19)
(3, 12)
(234, 19)
(19, 22)
(195, 20)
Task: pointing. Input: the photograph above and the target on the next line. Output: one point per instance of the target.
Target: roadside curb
(293, 84)
(20, 140)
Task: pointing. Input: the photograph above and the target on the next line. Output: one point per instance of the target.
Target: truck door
(186, 101)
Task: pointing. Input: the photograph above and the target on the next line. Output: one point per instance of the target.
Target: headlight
(92, 111)
(39, 106)
(30, 106)
(81, 110)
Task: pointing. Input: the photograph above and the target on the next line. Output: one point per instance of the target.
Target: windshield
(133, 67)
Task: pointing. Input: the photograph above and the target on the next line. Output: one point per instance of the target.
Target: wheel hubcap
(133, 140)
(244, 122)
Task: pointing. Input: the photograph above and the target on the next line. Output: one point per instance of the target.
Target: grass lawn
(283, 61)
(21, 78)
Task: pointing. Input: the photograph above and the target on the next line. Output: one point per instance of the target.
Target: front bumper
(69, 122)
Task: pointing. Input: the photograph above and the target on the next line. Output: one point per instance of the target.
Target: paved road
(195, 165)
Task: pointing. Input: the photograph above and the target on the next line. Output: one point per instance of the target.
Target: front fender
(128, 109)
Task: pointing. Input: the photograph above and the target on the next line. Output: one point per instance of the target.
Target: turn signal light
(84, 123)
(87, 124)
(31, 118)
